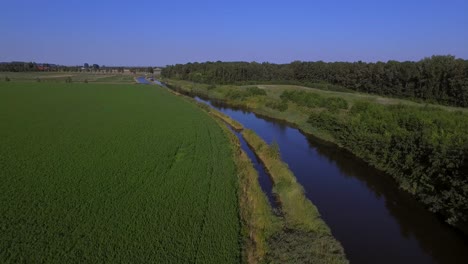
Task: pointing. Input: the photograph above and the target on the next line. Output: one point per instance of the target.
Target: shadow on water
(374, 220)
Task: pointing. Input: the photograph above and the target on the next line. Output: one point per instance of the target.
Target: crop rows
(113, 173)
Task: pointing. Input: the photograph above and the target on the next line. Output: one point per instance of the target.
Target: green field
(63, 76)
(113, 173)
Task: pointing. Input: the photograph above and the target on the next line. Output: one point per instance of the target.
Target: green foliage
(335, 103)
(442, 79)
(103, 173)
(278, 105)
(7, 79)
(425, 149)
(313, 100)
(293, 246)
(241, 94)
(274, 150)
(255, 91)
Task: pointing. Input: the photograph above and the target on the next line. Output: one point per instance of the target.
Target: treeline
(17, 66)
(424, 149)
(441, 79)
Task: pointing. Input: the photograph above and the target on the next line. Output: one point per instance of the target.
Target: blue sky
(175, 31)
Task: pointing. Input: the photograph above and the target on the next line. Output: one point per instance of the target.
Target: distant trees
(150, 70)
(18, 66)
(441, 79)
(32, 66)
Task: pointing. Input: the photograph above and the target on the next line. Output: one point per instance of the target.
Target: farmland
(113, 173)
(63, 76)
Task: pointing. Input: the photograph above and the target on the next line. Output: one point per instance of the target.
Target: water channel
(375, 221)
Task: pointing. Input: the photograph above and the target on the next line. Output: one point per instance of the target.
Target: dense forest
(441, 79)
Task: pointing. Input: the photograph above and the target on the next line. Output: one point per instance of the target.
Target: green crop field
(63, 76)
(95, 173)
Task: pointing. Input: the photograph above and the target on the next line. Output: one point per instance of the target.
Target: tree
(150, 70)
(86, 66)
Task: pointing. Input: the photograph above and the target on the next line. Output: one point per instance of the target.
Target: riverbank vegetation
(296, 234)
(257, 220)
(304, 238)
(441, 79)
(424, 147)
(113, 173)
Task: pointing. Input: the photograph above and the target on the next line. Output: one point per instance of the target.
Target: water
(263, 178)
(374, 220)
(142, 80)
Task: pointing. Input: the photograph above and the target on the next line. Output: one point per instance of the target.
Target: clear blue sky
(175, 31)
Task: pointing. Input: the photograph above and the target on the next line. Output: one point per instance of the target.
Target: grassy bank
(305, 235)
(219, 115)
(258, 221)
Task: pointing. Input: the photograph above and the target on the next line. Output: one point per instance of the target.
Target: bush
(274, 150)
(253, 91)
(313, 100)
(280, 106)
(7, 79)
(38, 79)
(68, 80)
(335, 103)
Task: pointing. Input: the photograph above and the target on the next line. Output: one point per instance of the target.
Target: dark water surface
(374, 220)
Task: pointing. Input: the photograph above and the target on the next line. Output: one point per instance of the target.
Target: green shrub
(280, 106)
(254, 91)
(335, 103)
